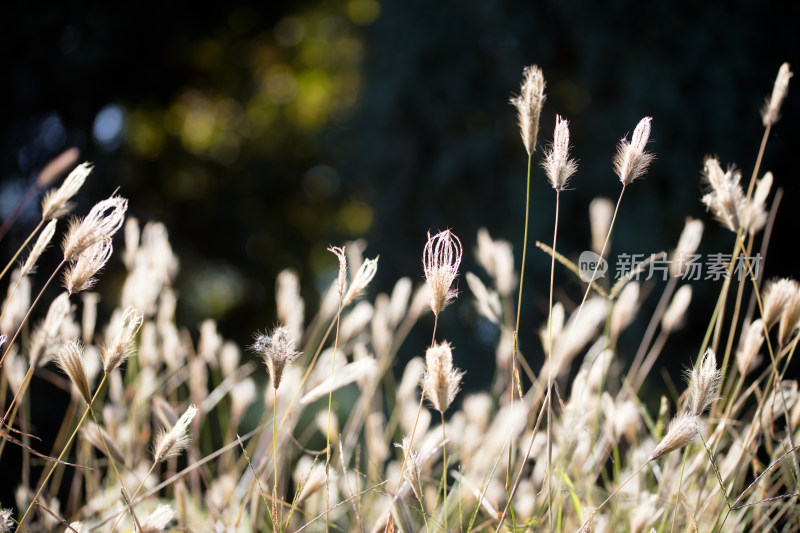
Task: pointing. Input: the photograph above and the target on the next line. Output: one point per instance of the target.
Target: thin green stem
(63, 452)
(19, 250)
(602, 254)
(444, 471)
(515, 336)
(328, 433)
(550, 370)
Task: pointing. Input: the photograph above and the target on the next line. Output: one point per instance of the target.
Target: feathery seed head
(601, 210)
(440, 261)
(776, 295)
(413, 471)
(102, 222)
(29, 266)
(687, 246)
(725, 199)
(5, 520)
(770, 112)
(290, 305)
(789, 316)
(171, 443)
(120, 345)
(56, 203)
(703, 384)
(682, 430)
(529, 106)
(339, 252)
(752, 340)
(631, 160)
(442, 380)
(557, 164)
(362, 278)
(70, 359)
(673, 316)
(277, 350)
(754, 213)
(497, 258)
(158, 520)
(79, 276)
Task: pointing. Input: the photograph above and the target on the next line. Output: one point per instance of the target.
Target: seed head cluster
(277, 351)
(440, 261)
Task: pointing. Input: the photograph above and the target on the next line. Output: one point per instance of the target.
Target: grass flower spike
(529, 106)
(56, 203)
(770, 114)
(682, 430)
(70, 359)
(631, 160)
(120, 345)
(703, 384)
(171, 443)
(442, 380)
(440, 261)
(102, 222)
(557, 164)
(277, 350)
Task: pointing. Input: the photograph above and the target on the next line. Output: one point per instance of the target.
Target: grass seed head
(770, 112)
(440, 261)
(171, 443)
(277, 350)
(102, 222)
(557, 164)
(120, 346)
(682, 430)
(79, 276)
(29, 266)
(529, 106)
(442, 380)
(70, 359)
(687, 246)
(56, 203)
(725, 199)
(704, 383)
(631, 160)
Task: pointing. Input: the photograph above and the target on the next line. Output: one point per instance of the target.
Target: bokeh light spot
(108, 126)
(363, 12)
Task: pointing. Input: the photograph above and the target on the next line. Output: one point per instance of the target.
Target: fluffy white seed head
(687, 245)
(440, 261)
(777, 294)
(56, 203)
(747, 354)
(726, 198)
(601, 210)
(631, 160)
(171, 443)
(442, 380)
(675, 313)
(557, 164)
(529, 106)
(682, 430)
(703, 384)
(363, 276)
(70, 359)
(119, 346)
(277, 351)
(770, 112)
(413, 471)
(79, 276)
(341, 280)
(102, 222)
(29, 266)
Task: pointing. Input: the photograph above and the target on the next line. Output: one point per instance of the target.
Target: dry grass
(154, 435)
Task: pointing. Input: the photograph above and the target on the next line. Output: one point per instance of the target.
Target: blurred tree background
(262, 132)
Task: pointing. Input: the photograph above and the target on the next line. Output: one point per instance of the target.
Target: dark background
(261, 133)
